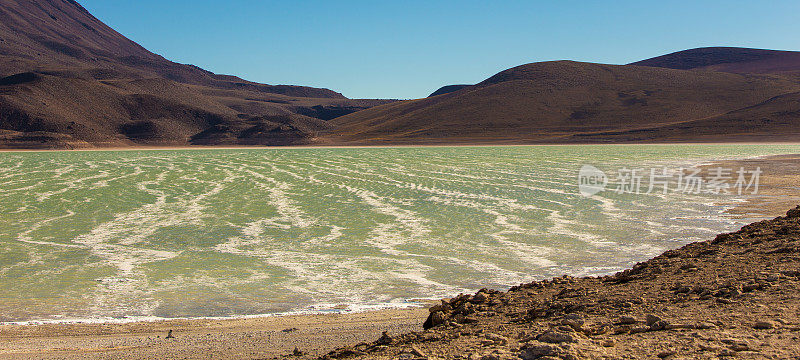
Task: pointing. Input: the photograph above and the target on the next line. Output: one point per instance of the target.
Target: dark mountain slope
(566, 101)
(776, 119)
(61, 32)
(448, 89)
(729, 59)
(68, 80)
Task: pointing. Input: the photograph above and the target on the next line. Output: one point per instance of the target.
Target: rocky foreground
(735, 296)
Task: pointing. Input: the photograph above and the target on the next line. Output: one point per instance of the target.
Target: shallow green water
(190, 233)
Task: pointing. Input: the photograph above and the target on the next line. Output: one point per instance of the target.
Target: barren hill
(565, 102)
(448, 89)
(68, 80)
(729, 59)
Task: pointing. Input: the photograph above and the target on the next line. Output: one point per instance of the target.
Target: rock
(417, 351)
(598, 330)
(791, 273)
(726, 353)
(736, 344)
(622, 330)
(707, 347)
(666, 354)
(497, 339)
(546, 351)
(465, 308)
(446, 305)
(480, 298)
(564, 328)
(794, 213)
(499, 355)
(536, 313)
(764, 325)
(652, 319)
(169, 335)
(555, 337)
(608, 343)
(678, 326)
(627, 320)
(385, 339)
(459, 318)
(573, 316)
(431, 336)
(434, 319)
(659, 325)
(639, 329)
(402, 356)
(740, 347)
(575, 324)
(471, 320)
(297, 352)
(751, 287)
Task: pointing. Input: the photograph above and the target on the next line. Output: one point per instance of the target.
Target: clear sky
(408, 49)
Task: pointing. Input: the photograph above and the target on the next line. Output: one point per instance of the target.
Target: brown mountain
(729, 59)
(566, 102)
(68, 80)
(448, 89)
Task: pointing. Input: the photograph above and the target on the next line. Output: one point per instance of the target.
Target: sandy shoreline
(268, 337)
(248, 338)
(779, 186)
(423, 145)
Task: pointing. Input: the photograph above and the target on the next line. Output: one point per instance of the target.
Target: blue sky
(408, 49)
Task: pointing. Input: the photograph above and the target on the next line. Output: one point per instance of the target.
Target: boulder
(555, 337)
(794, 213)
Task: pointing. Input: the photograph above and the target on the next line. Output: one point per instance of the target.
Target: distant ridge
(728, 59)
(67, 80)
(448, 89)
(576, 102)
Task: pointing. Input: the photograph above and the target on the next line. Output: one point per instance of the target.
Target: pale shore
(314, 335)
(379, 146)
(246, 338)
(779, 185)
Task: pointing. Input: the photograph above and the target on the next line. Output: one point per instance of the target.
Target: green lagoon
(102, 235)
